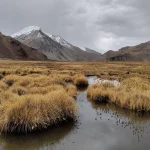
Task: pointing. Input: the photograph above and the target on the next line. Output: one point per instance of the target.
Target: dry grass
(133, 93)
(3, 86)
(35, 102)
(109, 70)
(80, 81)
(29, 91)
(100, 92)
(71, 90)
(34, 112)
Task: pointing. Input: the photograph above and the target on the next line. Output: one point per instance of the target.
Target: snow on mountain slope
(60, 40)
(83, 48)
(30, 29)
(54, 47)
(26, 31)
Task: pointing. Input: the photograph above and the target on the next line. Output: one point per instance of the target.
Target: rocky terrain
(140, 52)
(54, 47)
(10, 48)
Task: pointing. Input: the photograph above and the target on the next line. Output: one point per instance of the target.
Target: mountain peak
(27, 31)
(53, 46)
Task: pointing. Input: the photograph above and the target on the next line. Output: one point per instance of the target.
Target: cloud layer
(97, 24)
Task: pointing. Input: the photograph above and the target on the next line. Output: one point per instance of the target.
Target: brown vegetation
(32, 112)
(35, 95)
(35, 102)
(80, 81)
(133, 93)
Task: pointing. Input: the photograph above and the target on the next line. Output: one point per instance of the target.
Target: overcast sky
(99, 24)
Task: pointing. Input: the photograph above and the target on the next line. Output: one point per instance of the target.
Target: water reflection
(94, 80)
(137, 123)
(37, 140)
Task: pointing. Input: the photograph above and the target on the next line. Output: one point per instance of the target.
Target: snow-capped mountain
(54, 47)
(60, 40)
(26, 31)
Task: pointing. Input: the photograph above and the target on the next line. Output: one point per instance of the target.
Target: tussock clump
(25, 81)
(71, 90)
(43, 81)
(34, 112)
(10, 79)
(35, 102)
(80, 81)
(55, 87)
(3, 86)
(133, 93)
(136, 83)
(46, 89)
(6, 96)
(100, 92)
(19, 90)
(37, 90)
(67, 78)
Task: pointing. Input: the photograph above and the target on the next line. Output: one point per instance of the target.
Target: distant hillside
(13, 49)
(54, 47)
(140, 52)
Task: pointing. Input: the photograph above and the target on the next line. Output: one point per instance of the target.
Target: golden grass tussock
(80, 80)
(46, 89)
(6, 96)
(133, 93)
(3, 86)
(100, 92)
(19, 90)
(67, 78)
(35, 102)
(43, 81)
(10, 79)
(71, 90)
(33, 112)
(25, 81)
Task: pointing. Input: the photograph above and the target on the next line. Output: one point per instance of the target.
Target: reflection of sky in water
(94, 79)
(98, 127)
(114, 82)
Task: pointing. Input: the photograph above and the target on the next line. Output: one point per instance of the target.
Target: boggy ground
(36, 95)
(32, 100)
(133, 93)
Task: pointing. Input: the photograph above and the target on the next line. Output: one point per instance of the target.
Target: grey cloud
(81, 10)
(97, 24)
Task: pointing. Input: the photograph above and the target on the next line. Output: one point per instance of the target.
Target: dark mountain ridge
(12, 49)
(139, 52)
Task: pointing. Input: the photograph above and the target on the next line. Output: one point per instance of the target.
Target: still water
(98, 127)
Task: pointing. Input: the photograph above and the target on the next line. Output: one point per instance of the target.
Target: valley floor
(36, 95)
